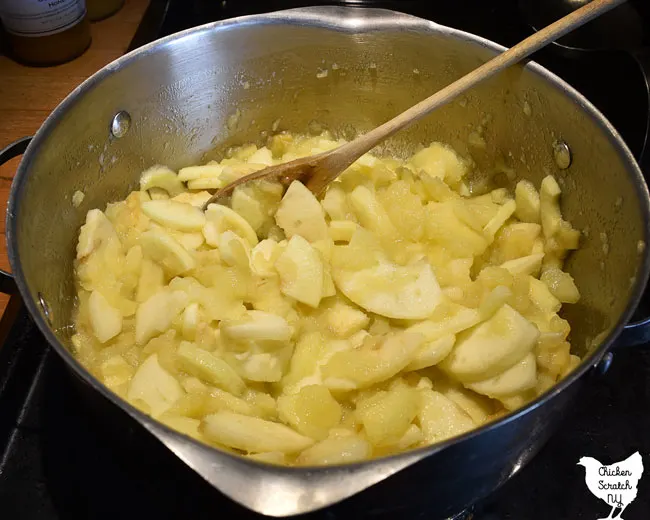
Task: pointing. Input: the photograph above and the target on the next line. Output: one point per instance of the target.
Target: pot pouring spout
(279, 491)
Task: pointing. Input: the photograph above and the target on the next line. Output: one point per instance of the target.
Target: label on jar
(34, 18)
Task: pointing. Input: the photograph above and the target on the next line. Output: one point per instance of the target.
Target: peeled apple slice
(195, 199)
(106, 320)
(165, 250)
(301, 272)
(492, 347)
(478, 407)
(263, 367)
(258, 326)
(432, 353)
(439, 160)
(161, 177)
(370, 212)
(154, 386)
(252, 434)
(457, 319)
(173, 214)
(336, 450)
(364, 367)
(530, 264)
(185, 425)
(94, 232)
(342, 230)
(210, 368)
(440, 418)
(206, 171)
(408, 292)
(191, 319)
(344, 320)
(234, 250)
(517, 379)
(224, 219)
(263, 256)
(300, 213)
(155, 315)
(550, 206)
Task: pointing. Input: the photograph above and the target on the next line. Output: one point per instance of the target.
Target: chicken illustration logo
(615, 484)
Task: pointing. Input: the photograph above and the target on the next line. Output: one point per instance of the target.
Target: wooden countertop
(28, 94)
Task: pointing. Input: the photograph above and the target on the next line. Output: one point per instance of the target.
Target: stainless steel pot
(173, 100)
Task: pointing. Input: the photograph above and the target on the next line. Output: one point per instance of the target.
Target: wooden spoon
(317, 171)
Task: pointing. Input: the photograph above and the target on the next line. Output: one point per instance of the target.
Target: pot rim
(340, 19)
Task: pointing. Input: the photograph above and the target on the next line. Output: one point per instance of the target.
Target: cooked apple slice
(312, 411)
(252, 434)
(151, 280)
(161, 177)
(386, 415)
(115, 372)
(478, 407)
(440, 418)
(432, 353)
(300, 213)
(561, 285)
(301, 272)
(263, 257)
(370, 212)
(550, 206)
(455, 319)
(519, 378)
(344, 320)
(166, 251)
(439, 160)
(154, 386)
(366, 366)
(530, 264)
(342, 230)
(105, 319)
(210, 368)
(195, 199)
(206, 171)
(173, 214)
(223, 219)
(336, 450)
(269, 457)
(155, 315)
(492, 347)
(234, 250)
(503, 214)
(94, 232)
(191, 319)
(258, 326)
(263, 367)
(542, 297)
(180, 423)
(527, 200)
(402, 292)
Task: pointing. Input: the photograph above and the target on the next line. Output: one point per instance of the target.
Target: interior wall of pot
(191, 98)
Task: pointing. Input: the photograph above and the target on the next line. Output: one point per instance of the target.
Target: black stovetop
(59, 461)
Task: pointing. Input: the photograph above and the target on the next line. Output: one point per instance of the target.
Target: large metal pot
(179, 93)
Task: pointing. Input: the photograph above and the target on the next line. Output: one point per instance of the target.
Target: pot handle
(638, 332)
(642, 58)
(634, 334)
(7, 283)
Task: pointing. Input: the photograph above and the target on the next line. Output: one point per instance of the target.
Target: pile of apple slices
(398, 311)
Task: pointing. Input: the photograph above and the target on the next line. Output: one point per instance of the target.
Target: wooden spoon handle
(355, 149)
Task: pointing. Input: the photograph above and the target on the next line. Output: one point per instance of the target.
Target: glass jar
(45, 32)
